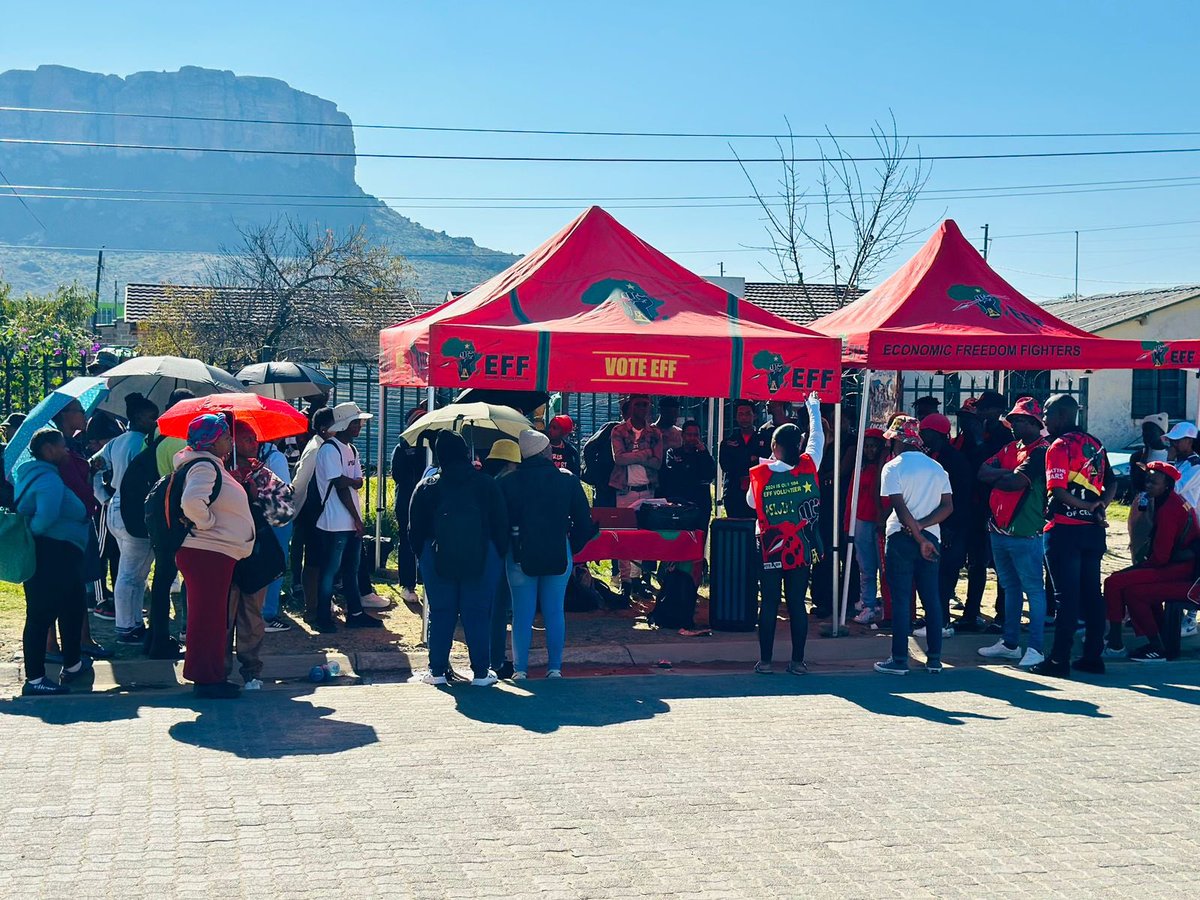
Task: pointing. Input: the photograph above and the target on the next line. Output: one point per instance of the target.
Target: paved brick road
(983, 782)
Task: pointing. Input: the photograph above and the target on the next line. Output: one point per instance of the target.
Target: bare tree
(291, 289)
(863, 215)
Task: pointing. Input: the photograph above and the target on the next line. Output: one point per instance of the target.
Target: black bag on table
(671, 517)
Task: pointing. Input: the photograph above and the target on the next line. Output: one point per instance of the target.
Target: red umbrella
(271, 420)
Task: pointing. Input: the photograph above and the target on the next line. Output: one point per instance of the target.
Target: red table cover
(637, 543)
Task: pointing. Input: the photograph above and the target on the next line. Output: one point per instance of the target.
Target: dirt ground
(402, 629)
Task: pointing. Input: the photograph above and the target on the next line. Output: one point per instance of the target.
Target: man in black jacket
(408, 465)
(935, 432)
(688, 474)
(738, 455)
(458, 524)
(551, 522)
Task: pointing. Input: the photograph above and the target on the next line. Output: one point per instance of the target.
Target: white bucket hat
(344, 414)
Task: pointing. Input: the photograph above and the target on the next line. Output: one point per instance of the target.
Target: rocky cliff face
(151, 223)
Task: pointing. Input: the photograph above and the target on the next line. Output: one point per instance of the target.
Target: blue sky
(700, 66)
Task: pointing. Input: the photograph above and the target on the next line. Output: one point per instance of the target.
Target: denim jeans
(130, 589)
(342, 551)
(905, 567)
(1073, 554)
(270, 608)
(866, 548)
(501, 613)
(450, 600)
(528, 593)
(1021, 570)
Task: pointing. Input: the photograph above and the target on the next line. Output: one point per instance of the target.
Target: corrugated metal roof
(1102, 311)
(141, 300)
(800, 303)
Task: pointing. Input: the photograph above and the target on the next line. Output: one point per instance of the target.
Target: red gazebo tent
(596, 308)
(947, 309)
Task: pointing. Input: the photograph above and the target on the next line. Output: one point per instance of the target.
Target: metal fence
(28, 379)
(954, 388)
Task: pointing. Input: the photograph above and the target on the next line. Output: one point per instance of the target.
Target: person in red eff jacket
(1168, 572)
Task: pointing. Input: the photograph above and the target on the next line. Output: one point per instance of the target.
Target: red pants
(1143, 592)
(208, 576)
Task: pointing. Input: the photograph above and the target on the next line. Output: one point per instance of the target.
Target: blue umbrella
(88, 391)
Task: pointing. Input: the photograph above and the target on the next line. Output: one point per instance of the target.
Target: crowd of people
(1015, 489)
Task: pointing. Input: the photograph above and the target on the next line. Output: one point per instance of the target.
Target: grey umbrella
(155, 377)
(285, 380)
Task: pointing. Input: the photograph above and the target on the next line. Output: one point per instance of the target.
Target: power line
(561, 132)
(216, 198)
(22, 199)
(461, 157)
(958, 193)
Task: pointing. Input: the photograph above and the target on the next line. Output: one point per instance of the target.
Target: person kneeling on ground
(60, 526)
(1167, 573)
(786, 500)
(221, 534)
(920, 494)
(459, 524)
(551, 522)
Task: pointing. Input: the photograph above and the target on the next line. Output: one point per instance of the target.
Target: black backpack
(165, 523)
(134, 489)
(460, 532)
(675, 605)
(598, 457)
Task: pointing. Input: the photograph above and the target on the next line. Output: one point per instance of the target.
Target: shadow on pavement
(543, 707)
(271, 725)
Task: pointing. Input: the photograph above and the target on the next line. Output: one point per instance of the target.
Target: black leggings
(53, 594)
(776, 582)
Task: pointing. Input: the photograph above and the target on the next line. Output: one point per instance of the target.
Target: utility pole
(99, 272)
(1077, 265)
(985, 242)
(722, 265)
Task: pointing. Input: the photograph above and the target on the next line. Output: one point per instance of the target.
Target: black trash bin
(733, 579)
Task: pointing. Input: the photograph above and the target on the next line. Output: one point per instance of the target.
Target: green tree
(40, 336)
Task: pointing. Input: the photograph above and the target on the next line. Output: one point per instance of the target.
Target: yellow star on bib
(808, 487)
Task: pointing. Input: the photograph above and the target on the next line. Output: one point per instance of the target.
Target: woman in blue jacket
(60, 527)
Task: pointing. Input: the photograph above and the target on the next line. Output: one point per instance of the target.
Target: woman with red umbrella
(222, 533)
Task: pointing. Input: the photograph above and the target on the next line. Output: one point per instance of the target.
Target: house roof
(142, 299)
(800, 303)
(1102, 311)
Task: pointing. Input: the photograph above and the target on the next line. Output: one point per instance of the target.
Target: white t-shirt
(335, 460)
(921, 481)
(1189, 482)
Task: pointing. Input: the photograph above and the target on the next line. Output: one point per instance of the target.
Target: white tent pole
(714, 445)
(720, 436)
(380, 484)
(835, 630)
(430, 401)
(864, 401)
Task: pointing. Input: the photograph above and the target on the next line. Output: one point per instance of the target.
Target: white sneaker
(486, 681)
(1188, 628)
(408, 595)
(554, 673)
(947, 631)
(254, 684)
(866, 617)
(374, 601)
(427, 678)
(1031, 658)
(519, 676)
(1109, 653)
(999, 651)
